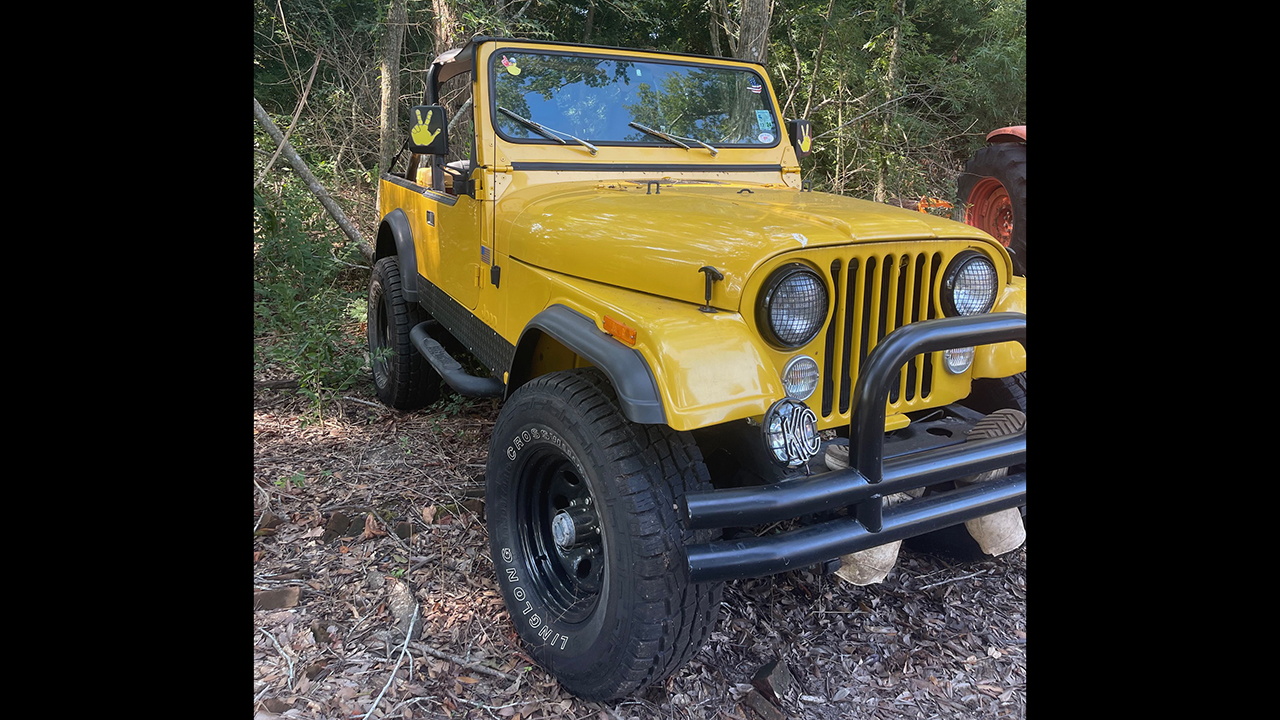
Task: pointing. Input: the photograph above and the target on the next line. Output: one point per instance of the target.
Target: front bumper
(870, 477)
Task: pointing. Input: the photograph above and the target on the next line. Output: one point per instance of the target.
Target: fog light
(790, 433)
(958, 359)
(800, 377)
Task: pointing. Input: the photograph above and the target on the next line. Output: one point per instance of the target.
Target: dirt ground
(938, 638)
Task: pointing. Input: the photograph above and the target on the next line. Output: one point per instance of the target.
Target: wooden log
(314, 185)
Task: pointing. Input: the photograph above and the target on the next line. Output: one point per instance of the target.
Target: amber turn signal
(620, 331)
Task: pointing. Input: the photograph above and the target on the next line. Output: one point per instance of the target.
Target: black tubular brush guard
(869, 477)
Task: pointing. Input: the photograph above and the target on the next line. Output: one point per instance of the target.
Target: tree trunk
(314, 185)
(753, 30)
(899, 9)
(817, 60)
(591, 14)
(715, 28)
(396, 19)
(446, 26)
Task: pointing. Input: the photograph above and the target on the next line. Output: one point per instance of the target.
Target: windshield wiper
(547, 132)
(673, 139)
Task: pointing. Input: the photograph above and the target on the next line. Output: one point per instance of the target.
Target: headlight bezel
(953, 272)
(764, 307)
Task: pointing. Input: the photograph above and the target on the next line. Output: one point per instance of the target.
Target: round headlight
(969, 286)
(793, 306)
(800, 377)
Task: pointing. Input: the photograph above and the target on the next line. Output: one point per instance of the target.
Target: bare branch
(292, 123)
(403, 649)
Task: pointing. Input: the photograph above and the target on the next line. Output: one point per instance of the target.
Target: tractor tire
(403, 378)
(586, 541)
(993, 192)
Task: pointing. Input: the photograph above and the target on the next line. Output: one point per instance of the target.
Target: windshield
(601, 99)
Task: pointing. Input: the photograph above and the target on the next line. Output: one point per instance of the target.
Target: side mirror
(801, 139)
(427, 134)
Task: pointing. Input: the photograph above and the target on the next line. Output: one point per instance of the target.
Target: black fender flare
(630, 375)
(395, 237)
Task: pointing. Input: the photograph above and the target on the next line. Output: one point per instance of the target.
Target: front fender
(627, 370)
(705, 368)
(1007, 358)
(395, 237)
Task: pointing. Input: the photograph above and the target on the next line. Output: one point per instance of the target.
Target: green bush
(308, 292)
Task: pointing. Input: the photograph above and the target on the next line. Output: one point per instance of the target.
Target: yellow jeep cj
(709, 371)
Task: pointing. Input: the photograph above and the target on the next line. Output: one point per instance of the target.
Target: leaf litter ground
(368, 512)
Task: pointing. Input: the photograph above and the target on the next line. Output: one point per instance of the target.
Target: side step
(450, 369)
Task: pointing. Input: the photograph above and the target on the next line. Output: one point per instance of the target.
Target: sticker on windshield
(510, 65)
(754, 86)
(764, 119)
(765, 138)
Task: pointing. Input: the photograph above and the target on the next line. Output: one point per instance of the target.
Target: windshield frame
(497, 52)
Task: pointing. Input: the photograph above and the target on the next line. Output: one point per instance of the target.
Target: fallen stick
(314, 185)
(462, 663)
(403, 649)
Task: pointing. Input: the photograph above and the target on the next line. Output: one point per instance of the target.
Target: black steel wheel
(402, 377)
(585, 538)
(559, 530)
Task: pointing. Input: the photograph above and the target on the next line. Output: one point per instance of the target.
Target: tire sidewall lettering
(530, 436)
(547, 634)
(542, 630)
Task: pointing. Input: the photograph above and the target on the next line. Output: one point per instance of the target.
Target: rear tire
(993, 191)
(616, 611)
(403, 378)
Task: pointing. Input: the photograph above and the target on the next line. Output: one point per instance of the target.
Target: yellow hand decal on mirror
(804, 139)
(421, 132)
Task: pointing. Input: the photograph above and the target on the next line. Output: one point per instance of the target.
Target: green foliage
(958, 73)
(308, 304)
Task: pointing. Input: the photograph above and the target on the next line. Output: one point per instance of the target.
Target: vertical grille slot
(874, 296)
(856, 324)
(837, 313)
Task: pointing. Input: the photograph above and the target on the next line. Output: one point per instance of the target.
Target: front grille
(876, 293)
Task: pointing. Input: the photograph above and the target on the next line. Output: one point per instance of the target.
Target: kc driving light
(793, 305)
(800, 377)
(790, 433)
(969, 286)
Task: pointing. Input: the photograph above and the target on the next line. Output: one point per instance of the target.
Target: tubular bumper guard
(869, 477)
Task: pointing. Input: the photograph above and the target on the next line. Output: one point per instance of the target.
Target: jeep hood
(623, 234)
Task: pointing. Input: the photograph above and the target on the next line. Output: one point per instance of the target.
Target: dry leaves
(371, 528)
(936, 639)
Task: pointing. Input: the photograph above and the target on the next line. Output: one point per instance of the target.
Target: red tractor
(993, 191)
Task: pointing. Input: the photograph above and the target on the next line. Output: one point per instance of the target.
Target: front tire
(613, 611)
